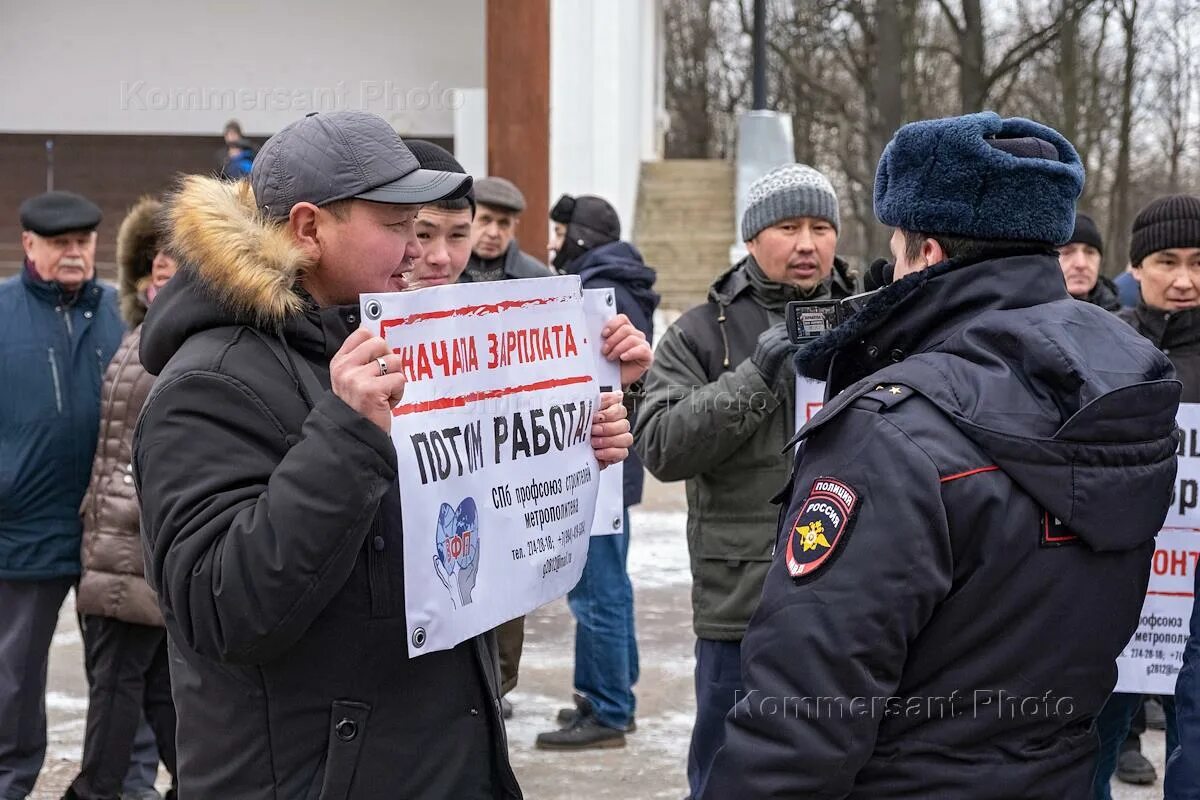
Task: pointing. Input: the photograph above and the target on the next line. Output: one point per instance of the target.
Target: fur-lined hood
(137, 244)
(248, 264)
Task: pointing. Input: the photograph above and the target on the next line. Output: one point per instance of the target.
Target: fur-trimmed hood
(235, 268)
(137, 244)
(249, 264)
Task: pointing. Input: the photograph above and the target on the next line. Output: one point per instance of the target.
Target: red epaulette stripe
(969, 473)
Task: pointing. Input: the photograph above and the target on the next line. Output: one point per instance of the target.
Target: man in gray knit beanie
(790, 227)
(718, 406)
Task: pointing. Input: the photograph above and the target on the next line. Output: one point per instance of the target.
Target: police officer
(967, 537)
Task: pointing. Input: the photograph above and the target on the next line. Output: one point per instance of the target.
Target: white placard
(810, 397)
(1152, 659)
(497, 476)
(599, 306)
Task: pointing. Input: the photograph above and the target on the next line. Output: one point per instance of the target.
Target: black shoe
(1136, 769)
(1156, 719)
(585, 734)
(583, 708)
(506, 708)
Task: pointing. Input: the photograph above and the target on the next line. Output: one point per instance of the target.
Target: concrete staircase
(684, 225)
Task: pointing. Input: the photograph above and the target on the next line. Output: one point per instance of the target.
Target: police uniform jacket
(964, 546)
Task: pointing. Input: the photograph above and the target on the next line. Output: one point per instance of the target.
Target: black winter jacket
(273, 537)
(1177, 335)
(964, 548)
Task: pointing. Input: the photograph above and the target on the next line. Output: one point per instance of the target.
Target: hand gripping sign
(1154, 656)
(497, 477)
(599, 306)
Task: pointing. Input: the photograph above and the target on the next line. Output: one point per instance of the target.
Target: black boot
(583, 708)
(585, 734)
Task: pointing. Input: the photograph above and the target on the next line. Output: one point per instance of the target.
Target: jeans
(606, 656)
(718, 681)
(1112, 727)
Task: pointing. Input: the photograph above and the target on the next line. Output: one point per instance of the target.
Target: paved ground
(652, 766)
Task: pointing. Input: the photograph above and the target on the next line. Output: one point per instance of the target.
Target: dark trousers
(718, 680)
(510, 640)
(1113, 726)
(129, 678)
(29, 610)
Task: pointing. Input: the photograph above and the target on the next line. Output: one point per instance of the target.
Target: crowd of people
(202, 452)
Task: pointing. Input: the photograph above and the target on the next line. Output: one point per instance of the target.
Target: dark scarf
(490, 270)
(775, 296)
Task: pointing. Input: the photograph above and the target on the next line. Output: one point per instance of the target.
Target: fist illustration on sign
(457, 540)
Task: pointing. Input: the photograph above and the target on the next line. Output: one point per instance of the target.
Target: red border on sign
(480, 310)
(490, 394)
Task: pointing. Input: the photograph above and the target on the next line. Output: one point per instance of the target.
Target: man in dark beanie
(606, 654)
(1164, 256)
(1080, 262)
(719, 409)
(495, 253)
(967, 535)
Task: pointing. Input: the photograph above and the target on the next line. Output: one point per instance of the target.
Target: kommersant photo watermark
(990, 703)
(377, 96)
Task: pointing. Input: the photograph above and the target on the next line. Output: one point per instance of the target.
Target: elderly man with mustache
(58, 329)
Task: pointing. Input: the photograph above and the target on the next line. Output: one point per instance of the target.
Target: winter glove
(773, 350)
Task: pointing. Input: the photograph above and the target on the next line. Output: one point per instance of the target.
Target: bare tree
(1119, 203)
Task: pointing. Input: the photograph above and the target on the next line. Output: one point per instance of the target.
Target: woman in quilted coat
(124, 637)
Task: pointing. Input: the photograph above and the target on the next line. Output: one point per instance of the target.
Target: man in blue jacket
(966, 540)
(58, 329)
(587, 242)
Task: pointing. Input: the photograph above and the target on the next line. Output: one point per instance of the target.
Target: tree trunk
(1068, 72)
(1119, 221)
(972, 82)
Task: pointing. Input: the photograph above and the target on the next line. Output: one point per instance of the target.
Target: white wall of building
(149, 66)
(605, 98)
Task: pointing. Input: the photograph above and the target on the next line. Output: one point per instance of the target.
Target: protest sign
(1154, 656)
(810, 397)
(599, 306)
(498, 480)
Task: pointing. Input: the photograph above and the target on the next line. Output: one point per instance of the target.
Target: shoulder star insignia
(895, 390)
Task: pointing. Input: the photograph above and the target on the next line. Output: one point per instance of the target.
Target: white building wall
(149, 66)
(605, 98)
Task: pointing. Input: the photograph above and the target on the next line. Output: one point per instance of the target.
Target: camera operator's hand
(366, 375)
(773, 349)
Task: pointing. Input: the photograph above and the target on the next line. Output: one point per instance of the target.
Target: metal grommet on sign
(346, 729)
(373, 309)
(608, 299)
(418, 638)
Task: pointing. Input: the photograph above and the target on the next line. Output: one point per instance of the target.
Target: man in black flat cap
(58, 329)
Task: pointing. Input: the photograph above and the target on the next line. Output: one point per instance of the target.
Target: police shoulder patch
(819, 526)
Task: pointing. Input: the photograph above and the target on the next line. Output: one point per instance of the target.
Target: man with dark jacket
(1080, 262)
(966, 539)
(495, 253)
(719, 408)
(270, 507)
(606, 656)
(59, 327)
(1164, 254)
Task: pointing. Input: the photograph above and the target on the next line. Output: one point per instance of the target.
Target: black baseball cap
(340, 155)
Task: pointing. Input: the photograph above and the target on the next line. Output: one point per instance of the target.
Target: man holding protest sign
(985, 484)
(268, 478)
